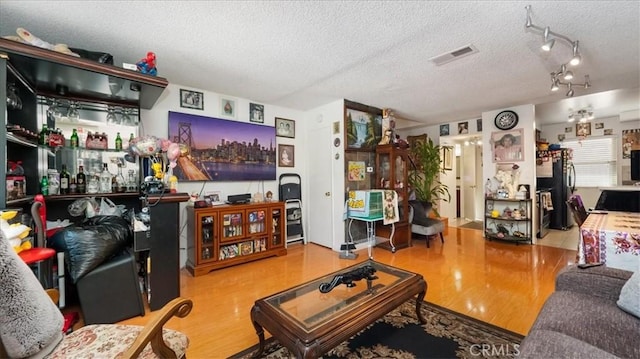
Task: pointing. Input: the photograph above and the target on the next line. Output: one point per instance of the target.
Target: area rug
(472, 225)
(399, 334)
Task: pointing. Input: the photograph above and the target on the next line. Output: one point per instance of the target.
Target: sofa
(593, 313)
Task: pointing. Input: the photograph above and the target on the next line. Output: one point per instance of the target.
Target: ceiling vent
(454, 55)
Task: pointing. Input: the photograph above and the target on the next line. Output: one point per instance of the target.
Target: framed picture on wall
(285, 128)
(256, 113)
(583, 129)
(362, 126)
(286, 156)
(447, 158)
(191, 99)
(227, 107)
(507, 146)
(444, 130)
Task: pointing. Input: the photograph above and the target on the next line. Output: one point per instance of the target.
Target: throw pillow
(629, 299)
(30, 323)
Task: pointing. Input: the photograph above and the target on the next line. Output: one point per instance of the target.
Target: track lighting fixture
(563, 74)
(582, 115)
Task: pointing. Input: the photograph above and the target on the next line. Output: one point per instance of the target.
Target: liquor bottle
(130, 139)
(43, 139)
(81, 180)
(93, 185)
(74, 139)
(44, 186)
(132, 183)
(118, 142)
(64, 180)
(105, 179)
(73, 187)
(121, 184)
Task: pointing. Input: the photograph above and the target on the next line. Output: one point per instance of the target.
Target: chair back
(577, 209)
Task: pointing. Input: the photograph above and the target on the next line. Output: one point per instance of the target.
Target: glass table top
(306, 306)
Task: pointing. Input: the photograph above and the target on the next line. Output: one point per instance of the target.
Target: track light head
(548, 43)
(570, 92)
(568, 75)
(576, 59)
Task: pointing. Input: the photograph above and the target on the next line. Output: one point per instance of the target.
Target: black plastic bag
(91, 243)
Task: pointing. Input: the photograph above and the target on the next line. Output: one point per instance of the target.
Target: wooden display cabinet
(227, 235)
(392, 173)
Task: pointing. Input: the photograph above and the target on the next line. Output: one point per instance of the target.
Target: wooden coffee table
(310, 323)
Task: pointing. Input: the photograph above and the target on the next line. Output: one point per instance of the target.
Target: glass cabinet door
(276, 230)
(207, 237)
(384, 168)
(257, 219)
(232, 223)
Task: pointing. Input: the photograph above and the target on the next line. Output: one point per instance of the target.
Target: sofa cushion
(550, 344)
(629, 299)
(596, 321)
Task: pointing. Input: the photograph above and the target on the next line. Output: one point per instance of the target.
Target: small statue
(148, 64)
(364, 272)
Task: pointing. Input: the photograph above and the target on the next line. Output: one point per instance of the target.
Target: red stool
(41, 259)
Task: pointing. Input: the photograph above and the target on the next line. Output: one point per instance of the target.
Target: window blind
(595, 161)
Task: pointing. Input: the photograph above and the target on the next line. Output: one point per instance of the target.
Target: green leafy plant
(424, 176)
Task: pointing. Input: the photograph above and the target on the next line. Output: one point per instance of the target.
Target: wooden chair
(577, 209)
(421, 223)
(31, 324)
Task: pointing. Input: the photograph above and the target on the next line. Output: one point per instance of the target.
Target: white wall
(155, 122)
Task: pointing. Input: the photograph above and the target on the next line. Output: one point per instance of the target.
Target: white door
(469, 181)
(320, 229)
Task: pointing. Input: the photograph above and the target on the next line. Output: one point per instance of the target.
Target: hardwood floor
(500, 283)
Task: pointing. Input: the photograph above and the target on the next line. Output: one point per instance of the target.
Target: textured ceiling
(302, 54)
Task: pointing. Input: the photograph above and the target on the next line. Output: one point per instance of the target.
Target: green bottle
(74, 138)
(42, 139)
(44, 186)
(118, 142)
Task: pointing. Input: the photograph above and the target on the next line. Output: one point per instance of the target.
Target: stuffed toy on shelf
(14, 233)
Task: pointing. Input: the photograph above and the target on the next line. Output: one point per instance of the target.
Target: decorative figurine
(148, 64)
(364, 272)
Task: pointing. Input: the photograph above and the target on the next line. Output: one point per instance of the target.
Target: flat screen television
(222, 150)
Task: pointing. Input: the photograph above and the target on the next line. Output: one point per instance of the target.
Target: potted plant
(424, 174)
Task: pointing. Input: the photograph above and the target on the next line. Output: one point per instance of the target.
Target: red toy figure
(148, 64)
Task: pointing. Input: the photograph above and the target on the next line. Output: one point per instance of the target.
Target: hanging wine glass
(74, 114)
(111, 116)
(13, 100)
(58, 112)
(126, 117)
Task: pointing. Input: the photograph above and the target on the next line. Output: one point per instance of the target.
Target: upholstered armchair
(31, 324)
(421, 223)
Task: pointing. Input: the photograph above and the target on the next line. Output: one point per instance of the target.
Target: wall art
(191, 99)
(507, 146)
(256, 113)
(285, 128)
